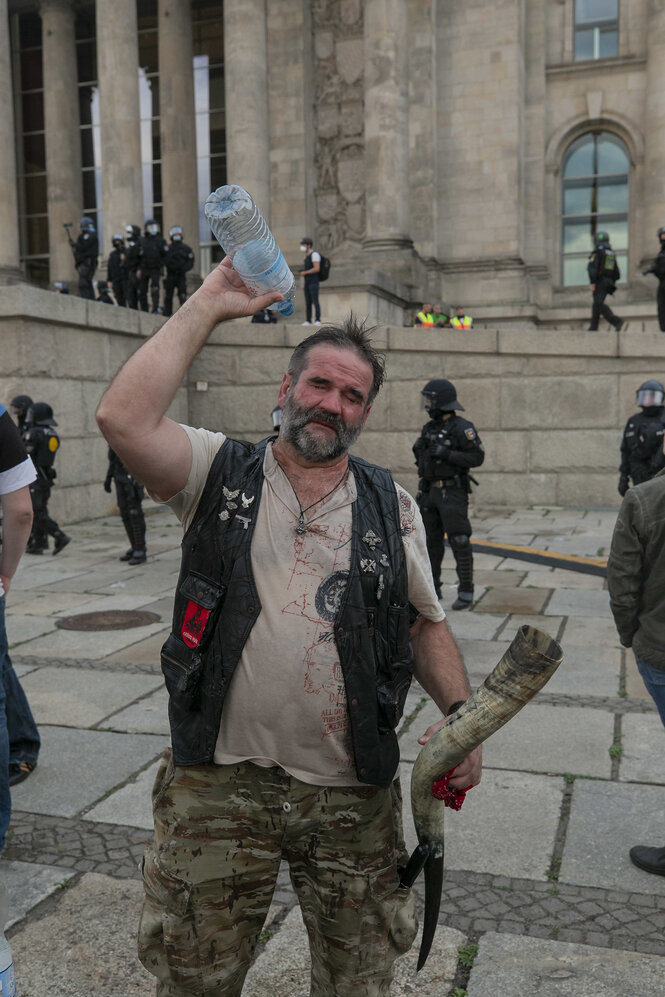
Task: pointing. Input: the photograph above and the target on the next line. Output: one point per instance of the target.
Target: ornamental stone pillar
(177, 121)
(246, 87)
(386, 125)
(9, 245)
(654, 129)
(118, 76)
(62, 134)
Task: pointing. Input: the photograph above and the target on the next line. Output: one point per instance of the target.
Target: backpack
(324, 267)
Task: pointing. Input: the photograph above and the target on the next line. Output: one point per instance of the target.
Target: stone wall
(549, 405)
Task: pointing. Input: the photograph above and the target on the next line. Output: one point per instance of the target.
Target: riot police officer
(129, 493)
(603, 274)
(153, 250)
(116, 269)
(657, 268)
(448, 446)
(42, 443)
(86, 249)
(131, 265)
(21, 407)
(179, 258)
(642, 442)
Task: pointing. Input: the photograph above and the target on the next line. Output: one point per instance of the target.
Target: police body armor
(217, 604)
(42, 443)
(432, 465)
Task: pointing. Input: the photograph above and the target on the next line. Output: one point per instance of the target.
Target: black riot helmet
(661, 234)
(151, 227)
(86, 224)
(118, 240)
(22, 408)
(650, 394)
(602, 240)
(175, 233)
(440, 396)
(43, 414)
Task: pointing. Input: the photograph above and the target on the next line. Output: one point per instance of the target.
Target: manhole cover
(110, 619)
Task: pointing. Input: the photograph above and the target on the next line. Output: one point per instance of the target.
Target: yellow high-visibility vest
(461, 323)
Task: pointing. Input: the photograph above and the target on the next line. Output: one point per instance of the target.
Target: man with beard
(304, 604)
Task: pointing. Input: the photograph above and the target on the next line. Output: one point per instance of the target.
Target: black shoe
(437, 589)
(138, 557)
(34, 550)
(18, 771)
(620, 324)
(61, 542)
(649, 859)
(462, 603)
(126, 556)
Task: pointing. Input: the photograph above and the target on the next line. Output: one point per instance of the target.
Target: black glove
(623, 486)
(107, 485)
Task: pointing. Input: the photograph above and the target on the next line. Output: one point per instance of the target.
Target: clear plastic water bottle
(7, 981)
(241, 231)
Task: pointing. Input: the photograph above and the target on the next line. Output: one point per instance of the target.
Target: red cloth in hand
(453, 798)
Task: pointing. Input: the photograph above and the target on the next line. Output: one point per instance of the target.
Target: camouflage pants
(220, 833)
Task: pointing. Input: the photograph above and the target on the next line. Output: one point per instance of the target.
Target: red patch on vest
(194, 623)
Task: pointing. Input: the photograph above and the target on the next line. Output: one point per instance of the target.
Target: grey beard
(316, 449)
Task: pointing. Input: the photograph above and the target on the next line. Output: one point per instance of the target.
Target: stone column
(177, 121)
(9, 246)
(246, 86)
(117, 73)
(654, 128)
(386, 125)
(62, 136)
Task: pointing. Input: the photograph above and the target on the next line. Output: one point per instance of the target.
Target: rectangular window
(596, 29)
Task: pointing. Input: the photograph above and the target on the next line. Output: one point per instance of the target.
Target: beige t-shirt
(286, 704)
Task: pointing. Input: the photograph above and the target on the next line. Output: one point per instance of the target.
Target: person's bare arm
(16, 526)
(132, 412)
(439, 668)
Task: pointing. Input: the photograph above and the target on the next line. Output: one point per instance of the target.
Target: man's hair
(350, 335)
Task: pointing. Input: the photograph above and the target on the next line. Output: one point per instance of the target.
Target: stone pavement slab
(511, 965)
(120, 600)
(590, 630)
(47, 603)
(554, 739)
(475, 626)
(513, 600)
(559, 578)
(481, 657)
(76, 698)
(643, 742)
(283, 968)
(606, 820)
(87, 644)
(144, 652)
(85, 946)
(587, 670)
(148, 716)
(77, 767)
(28, 884)
(23, 628)
(506, 828)
(548, 624)
(580, 603)
(635, 687)
(131, 804)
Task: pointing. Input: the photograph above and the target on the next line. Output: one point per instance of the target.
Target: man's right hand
(107, 485)
(623, 486)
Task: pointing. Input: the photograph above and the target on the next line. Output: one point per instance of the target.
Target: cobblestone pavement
(538, 851)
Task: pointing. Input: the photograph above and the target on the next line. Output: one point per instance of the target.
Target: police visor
(649, 397)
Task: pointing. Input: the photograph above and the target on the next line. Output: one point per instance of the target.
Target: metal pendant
(300, 525)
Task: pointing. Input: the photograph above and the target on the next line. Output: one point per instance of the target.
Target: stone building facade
(463, 152)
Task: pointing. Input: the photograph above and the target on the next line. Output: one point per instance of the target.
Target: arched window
(594, 196)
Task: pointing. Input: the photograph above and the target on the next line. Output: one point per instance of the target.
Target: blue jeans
(654, 680)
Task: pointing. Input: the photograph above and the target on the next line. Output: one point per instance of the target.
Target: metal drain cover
(110, 619)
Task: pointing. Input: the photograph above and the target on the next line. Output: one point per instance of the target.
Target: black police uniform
(131, 266)
(116, 271)
(603, 272)
(153, 250)
(23, 405)
(179, 259)
(447, 448)
(103, 295)
(129, 494)
(642, 447)
(42, 443)
(86, 249)
(658, 269)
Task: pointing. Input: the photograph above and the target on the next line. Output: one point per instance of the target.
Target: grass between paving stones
(466, 955)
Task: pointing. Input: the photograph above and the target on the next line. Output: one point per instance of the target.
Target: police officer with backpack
(116, 269)
(153, 250)
(179, 259)
(132, 264)
(86, 249)
(42, 443)
(447, 448)
(603, 274)
(657, 268)
(310, 271)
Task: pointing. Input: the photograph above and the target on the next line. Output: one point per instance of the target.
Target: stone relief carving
(339, 156)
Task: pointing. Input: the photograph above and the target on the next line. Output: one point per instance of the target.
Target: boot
(127, 555)
(650, 859)
(138, 557)
(61, 541)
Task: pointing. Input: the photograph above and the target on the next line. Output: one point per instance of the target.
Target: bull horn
(524, 669)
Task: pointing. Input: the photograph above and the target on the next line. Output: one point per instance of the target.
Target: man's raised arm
(132, 412)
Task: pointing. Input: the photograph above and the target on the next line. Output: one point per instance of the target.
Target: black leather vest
(217, 604)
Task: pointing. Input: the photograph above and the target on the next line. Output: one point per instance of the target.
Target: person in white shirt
(310, 272)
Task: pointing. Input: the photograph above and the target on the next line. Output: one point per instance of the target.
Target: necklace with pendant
(301, 525)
